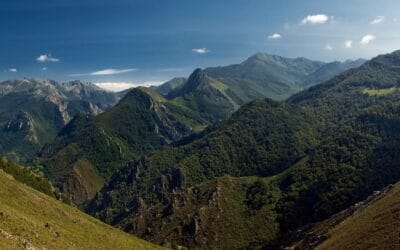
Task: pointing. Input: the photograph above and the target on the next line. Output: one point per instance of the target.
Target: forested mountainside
(271, 168)
(32, 220)
(32, 112)
(88, 150)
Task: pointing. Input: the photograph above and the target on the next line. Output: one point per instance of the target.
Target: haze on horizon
(122, 43)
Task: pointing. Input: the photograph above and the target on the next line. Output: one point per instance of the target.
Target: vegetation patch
(379, 92)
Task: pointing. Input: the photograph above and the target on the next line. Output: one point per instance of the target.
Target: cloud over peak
(47, 58)
(315, 19)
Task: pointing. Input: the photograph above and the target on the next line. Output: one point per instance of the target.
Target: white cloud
(47, 58)
(315, 19)
(378, 19)
(119, 86)
(106, 72)
(44, 69)
(367, 39)
(348, 44)
(275, 36)
(328, 47)
(13, 70)
(200, 50)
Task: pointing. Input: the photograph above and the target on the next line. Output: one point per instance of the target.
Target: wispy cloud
(13, 70)
(348, 44)
(119, 86)
(47, 58)
(200, 50)
(378, 19)
(315, 19)
(328, 47)
(44, 69)
(106, 72)
(367, 39)
(275, 36)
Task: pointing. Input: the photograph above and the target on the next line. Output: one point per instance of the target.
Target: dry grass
(375, 227)
(32, 220)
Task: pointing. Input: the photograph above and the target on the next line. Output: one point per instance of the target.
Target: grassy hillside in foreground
(28, 177)
(376, 226)
(32, 220)
(371, 224)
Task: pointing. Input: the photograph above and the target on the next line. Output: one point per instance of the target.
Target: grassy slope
(24, 214)
(375, 227)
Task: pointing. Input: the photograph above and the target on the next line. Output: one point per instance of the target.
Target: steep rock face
(211, 215)
(44, 107)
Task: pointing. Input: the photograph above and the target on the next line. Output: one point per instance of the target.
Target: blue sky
(123, 42)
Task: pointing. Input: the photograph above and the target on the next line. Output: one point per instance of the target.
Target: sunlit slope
(32, 220)
(375, 227)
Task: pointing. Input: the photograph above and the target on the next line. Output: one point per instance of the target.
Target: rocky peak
(196, 79)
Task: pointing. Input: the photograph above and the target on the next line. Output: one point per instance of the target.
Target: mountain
(271, 168)
(90, 149)
(170, 85)
(329, 70)
(33, 111)
(370, 224)
(205, 96)
(33, 220)
(264, 75)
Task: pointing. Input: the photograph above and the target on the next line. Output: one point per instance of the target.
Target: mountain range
(89, 149)
(271, 168)
(269, 76)
(32, 112)
(269, 153)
